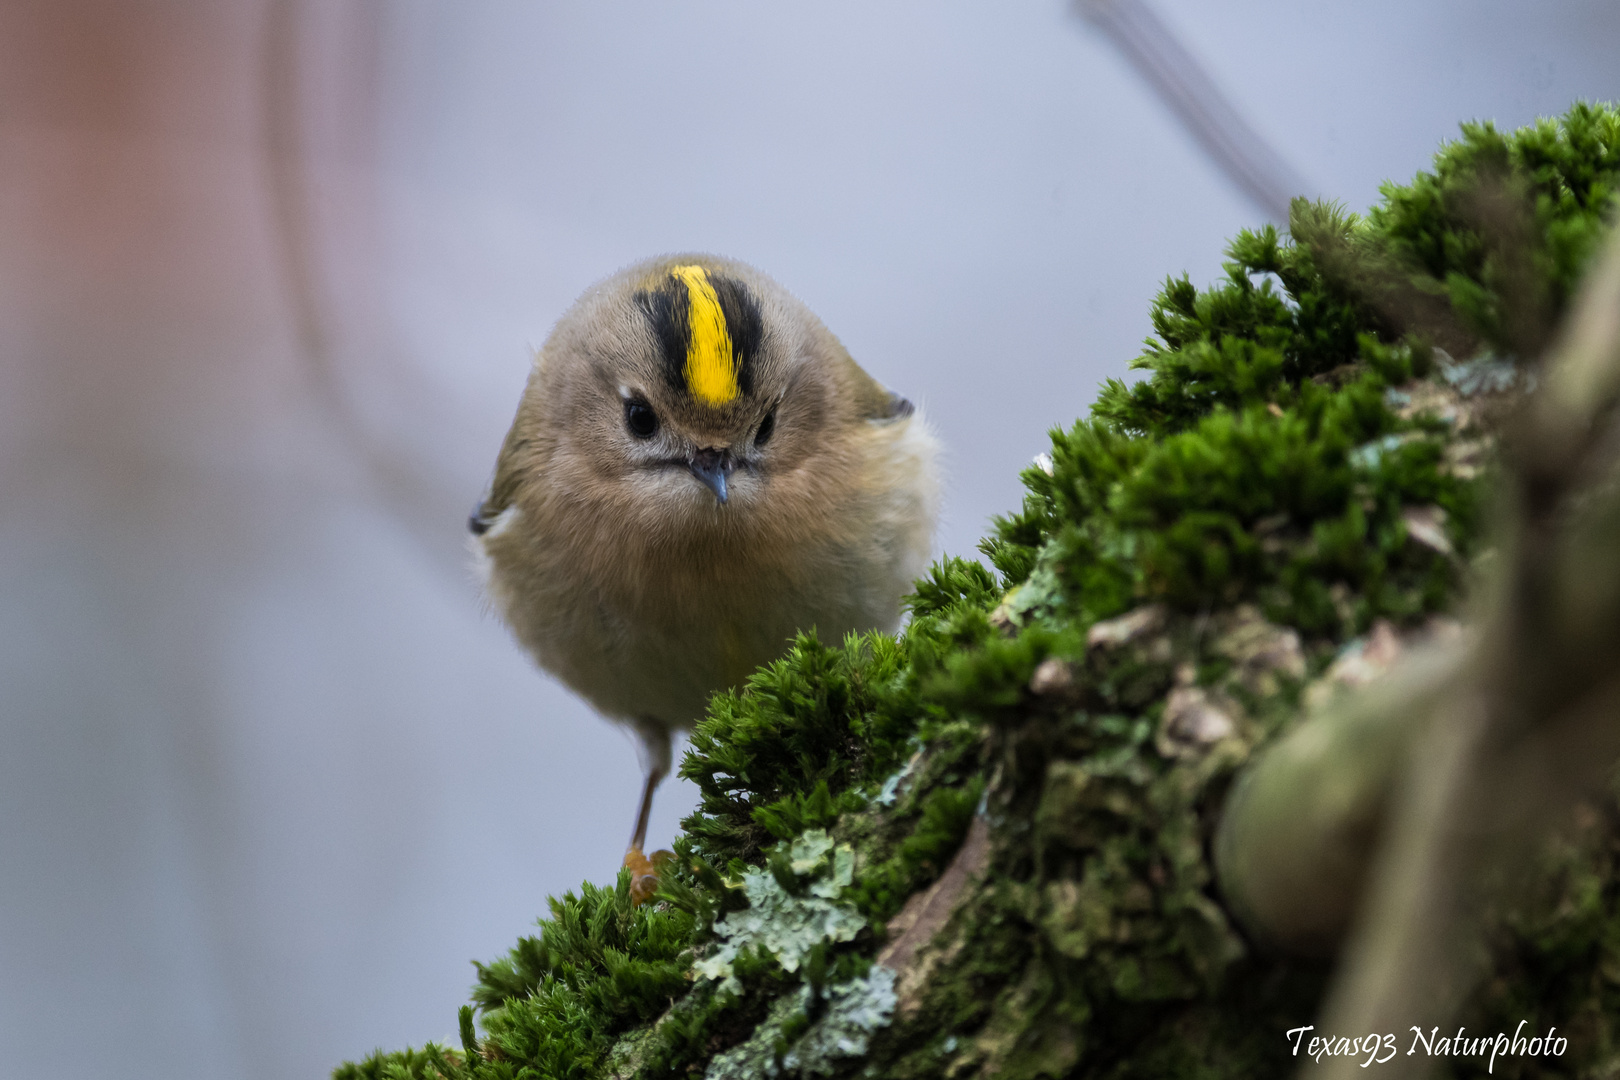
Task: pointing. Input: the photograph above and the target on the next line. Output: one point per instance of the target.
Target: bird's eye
(767, 428)
(640, 418)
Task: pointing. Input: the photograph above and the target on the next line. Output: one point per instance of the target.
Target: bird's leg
(655, 776)
(644, 871)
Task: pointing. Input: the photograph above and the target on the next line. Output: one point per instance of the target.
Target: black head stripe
(743, 322)
(668, 307)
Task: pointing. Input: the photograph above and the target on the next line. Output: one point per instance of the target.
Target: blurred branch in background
(417, 491)
(1417, 806)
(1246, 158)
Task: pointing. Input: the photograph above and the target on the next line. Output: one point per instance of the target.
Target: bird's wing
(873, 401)
(504, 484)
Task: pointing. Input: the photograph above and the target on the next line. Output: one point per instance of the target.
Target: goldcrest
(697, 471)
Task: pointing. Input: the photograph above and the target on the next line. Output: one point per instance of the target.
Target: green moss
(776, 757)
(599, 966)
(1307, 453)
(1505, 222)
(944, 815)
(429, 1063)
(1233, 474)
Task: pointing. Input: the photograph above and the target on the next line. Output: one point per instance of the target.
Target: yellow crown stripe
(711, 366)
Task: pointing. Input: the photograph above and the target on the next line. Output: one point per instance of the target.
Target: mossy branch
(1412, 804)
(982, 847)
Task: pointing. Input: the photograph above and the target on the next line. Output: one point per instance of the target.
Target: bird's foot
(644, 873)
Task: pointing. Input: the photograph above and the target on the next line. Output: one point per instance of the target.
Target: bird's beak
(712, 467)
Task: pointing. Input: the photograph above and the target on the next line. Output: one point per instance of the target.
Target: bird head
(683, 388)
(703, 393)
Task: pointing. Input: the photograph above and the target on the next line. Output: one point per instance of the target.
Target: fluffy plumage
(779, 488)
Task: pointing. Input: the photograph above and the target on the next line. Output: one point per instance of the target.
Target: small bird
(697, 471)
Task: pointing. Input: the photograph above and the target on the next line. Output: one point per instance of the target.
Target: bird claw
(644, 873)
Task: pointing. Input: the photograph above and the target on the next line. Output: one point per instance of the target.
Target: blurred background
(271, 272)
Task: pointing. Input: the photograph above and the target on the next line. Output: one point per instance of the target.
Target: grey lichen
(854, 1011)
(788, 925)
(846, 1016)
